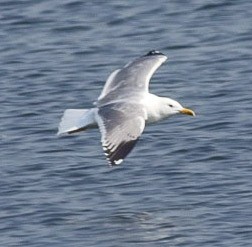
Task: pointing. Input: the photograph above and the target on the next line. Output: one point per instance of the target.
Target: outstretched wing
(133, 77)
(121, 126)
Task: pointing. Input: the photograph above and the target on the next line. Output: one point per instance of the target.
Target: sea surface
(188, 181)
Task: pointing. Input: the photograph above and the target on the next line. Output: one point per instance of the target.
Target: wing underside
(120, 127)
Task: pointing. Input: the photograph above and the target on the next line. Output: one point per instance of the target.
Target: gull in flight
(123, 108)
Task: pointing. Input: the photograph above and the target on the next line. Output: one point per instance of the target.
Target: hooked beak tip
(188, 112)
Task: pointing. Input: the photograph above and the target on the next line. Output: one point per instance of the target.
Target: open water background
(188, 182)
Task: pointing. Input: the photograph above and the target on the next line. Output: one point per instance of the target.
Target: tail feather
(75, 120)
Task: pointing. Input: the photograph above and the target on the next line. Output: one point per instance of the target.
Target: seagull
(123, 108)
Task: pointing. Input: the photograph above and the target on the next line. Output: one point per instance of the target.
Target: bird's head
(172, 107)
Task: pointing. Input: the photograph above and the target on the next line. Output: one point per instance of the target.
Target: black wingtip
(117, 156)
(154, 53)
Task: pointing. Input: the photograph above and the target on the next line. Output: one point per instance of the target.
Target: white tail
(74, 119)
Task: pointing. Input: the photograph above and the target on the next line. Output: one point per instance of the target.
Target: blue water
(188, 182)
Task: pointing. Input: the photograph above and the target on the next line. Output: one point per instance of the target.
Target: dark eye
(171, 105)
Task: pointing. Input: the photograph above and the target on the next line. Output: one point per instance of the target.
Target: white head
(171, 107)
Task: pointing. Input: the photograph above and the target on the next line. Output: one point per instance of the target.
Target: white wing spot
(118, 162)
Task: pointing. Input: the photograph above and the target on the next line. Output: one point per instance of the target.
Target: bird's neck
(154, 108)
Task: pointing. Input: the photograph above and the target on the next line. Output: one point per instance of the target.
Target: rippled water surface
(188, 182)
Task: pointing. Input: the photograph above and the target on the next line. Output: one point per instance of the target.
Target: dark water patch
(178, 47)
(130, 217)
(74, 4)
(12, 3)
(71, 29)
(26, 22)
(215, 6)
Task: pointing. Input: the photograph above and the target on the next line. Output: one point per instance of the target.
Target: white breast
(153, 106)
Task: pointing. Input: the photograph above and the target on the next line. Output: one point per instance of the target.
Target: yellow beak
(187, 112)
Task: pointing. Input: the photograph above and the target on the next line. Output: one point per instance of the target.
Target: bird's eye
(171, 105)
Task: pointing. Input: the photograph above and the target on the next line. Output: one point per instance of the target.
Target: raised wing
(133, 77)
(120, 129)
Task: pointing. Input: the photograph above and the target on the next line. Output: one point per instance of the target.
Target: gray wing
(133, 77)
(120, 129)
